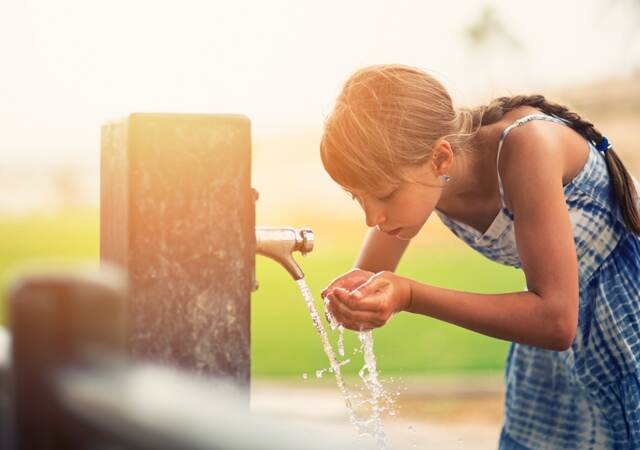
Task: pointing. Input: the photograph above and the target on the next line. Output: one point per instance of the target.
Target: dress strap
(515, 124)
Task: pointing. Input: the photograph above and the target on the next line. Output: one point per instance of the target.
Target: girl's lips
(394, 232)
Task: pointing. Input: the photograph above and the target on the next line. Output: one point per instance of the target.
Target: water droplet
(345, 362)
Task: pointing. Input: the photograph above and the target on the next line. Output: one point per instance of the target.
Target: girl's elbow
(562, 313)
(563, 341)
(564, 335)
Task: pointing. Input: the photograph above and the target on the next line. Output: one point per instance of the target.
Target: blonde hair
(388, 117)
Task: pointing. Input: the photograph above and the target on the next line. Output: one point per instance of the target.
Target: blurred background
(69, 66)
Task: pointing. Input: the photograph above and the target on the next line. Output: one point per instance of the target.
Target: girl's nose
(374, 217)
(374, 214)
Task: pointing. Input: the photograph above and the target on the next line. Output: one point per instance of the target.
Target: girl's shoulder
(528, 141)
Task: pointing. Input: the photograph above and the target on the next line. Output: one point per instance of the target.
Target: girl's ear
(442, 157)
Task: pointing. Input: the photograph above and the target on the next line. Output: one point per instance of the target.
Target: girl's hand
(373, 303)
(348, 281)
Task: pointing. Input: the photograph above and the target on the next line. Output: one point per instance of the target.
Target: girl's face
(405, 206)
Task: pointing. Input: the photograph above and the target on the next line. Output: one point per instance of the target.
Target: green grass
(60, 239)
(284, 342)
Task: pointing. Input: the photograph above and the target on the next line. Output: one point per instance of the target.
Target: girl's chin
(404, 235)
(408, 233)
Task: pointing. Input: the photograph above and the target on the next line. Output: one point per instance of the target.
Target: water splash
(333, 323)
(369, 375)
(375, 398)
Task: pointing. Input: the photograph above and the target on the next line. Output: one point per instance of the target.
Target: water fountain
(178, 215)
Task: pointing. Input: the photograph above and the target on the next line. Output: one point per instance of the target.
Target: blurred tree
(494, 53)
(489, 30)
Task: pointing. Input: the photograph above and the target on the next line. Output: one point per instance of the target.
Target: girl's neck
(474, 175)
(473, 172)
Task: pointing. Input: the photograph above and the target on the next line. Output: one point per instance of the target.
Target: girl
(529, 184)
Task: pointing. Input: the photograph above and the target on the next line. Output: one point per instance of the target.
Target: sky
(69, 66)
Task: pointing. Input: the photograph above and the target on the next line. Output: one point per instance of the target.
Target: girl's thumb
(364, 289)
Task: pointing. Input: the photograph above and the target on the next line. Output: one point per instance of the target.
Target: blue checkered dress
(587, 397)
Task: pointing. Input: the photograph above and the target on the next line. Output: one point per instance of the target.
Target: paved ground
(433, 413)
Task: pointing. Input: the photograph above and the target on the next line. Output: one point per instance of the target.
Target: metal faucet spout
(280, 243)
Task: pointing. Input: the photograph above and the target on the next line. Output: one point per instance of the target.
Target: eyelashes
(386, 197)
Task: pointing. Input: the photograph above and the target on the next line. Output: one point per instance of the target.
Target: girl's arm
(380, 251)
(523, 317)
(547, 314)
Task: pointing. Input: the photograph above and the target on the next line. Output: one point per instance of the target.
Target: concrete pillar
(178, 214)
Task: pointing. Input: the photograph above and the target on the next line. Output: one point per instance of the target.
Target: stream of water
(376, 394)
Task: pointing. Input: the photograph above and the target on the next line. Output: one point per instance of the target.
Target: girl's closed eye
(388, 196)
(382, 198)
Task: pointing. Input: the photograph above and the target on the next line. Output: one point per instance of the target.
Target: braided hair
(624, 189)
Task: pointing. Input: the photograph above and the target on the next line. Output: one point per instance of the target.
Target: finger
(372, 302)
(348, 281)
(349, 285)
(343, 312)
(337, 281)
(358, 323)
(371, 286)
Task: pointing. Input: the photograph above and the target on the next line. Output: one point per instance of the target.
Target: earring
(446, 178)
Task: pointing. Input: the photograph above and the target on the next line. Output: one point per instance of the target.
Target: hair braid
(624, 189)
